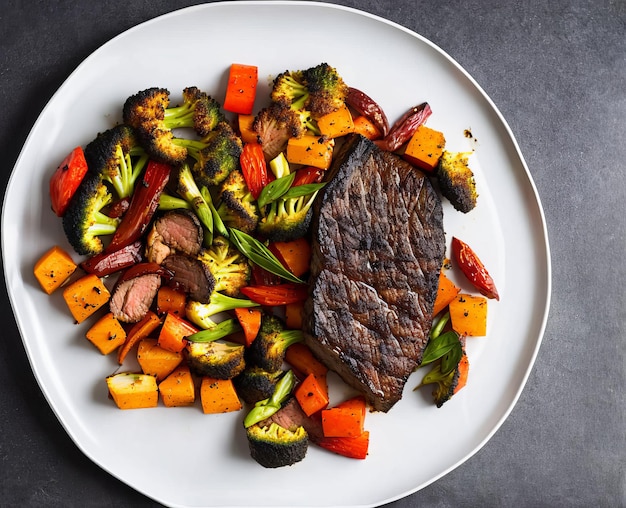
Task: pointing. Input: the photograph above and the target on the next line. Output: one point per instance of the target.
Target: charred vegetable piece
(269, 348)
(405, 127)
(255, 384)
(143, 205)
(369, 108)
(456, 180)
(274, 446)
(473, 268)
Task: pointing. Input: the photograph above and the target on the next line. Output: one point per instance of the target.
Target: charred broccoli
(230, 269)
(255, 384)
(208, 356)
(274, 446)
(84, 221)
(456, 180)
(116, 155)
(148, 112)
(237, 207)
(270, 345)
(320, 90)
(216, 155)
(198, 111)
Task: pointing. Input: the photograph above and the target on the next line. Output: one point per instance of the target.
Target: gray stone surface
(557, 72)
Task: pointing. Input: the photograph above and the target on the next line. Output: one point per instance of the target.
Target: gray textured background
(557, 72)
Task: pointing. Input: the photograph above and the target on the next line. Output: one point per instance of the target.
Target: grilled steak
(190, 276)
(175, 231)
(378, 245)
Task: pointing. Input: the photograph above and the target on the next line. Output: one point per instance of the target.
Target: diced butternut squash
(336, 124)
(133, 391)
(171, 300)
(155, 360)
(107, 334)
(218, 396)
(54, 268)
(300, 357)
(364, 127)
(248, 135)
(309, 150)
(311, 395)
(446, 292)
(425, 147)
(85, 296)
(178, 388)
(468, 315)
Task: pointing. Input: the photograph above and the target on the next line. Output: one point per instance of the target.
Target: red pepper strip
(143, 204)
(308, 175)
(352, 447)
(254, 168)
(369, 108)
(107, 263)
(473, 268)
(262, 277)
(66, 179)
(405, 127)
(279, 294)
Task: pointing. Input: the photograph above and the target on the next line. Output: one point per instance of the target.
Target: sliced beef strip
(291, 416)
(132, 298)
(378, 245)
(177, 231)
(191, 276)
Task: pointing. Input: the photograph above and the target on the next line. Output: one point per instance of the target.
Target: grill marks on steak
(378, 246)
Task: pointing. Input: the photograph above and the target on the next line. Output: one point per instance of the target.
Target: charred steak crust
(378, 245)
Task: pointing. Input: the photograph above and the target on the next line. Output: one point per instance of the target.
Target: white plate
(181, 457)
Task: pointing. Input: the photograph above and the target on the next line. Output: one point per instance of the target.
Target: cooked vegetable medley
(191, 222)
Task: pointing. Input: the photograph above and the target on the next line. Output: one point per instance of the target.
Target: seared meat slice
(176, 231)
(378, 245)
(191, 276)
(135, 290)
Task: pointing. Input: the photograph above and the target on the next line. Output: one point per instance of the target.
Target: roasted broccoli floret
(148, 112)
(237, 207)
(198, 111)
(84, 221)
(187, 188)
(216, 155)
(219, 360)
(255, 384)
(320, 90)
(201, 314)
(456, 180)
(230, 269)
(274, 446)
(116, 155)
(270, 345)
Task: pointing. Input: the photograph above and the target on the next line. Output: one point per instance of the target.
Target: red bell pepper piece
(66, 179)
(241, 88)
(143, 205)
(473, 268)
(254, 168)
(308, 175)
(107, 263)
(279, 294)
(352, 447)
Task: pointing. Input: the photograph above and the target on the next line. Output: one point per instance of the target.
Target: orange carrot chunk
(139, 331)
(107, 334)
(155, 360)
(446, 292)
(174, 333)
(241, 88)
(311, 395)
(250, 321)
(178, 389)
